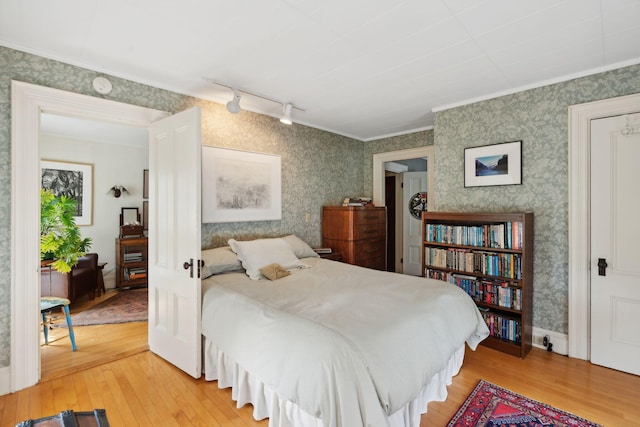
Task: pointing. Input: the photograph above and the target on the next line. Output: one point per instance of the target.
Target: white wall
(113, 164)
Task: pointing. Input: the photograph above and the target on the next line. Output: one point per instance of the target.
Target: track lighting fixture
(233, 106)
(286, 116)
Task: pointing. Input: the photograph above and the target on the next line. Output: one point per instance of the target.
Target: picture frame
(145, 215)
(240, 186)
(145, 184)
(497, 164)
(74, 180)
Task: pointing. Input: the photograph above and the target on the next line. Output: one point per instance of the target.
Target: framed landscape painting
(498, 164)
(74, 180)
(240, 186)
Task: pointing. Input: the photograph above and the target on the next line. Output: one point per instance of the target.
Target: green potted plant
(60, 239)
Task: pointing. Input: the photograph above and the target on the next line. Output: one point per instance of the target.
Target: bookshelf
(131, 262)
(490, 256)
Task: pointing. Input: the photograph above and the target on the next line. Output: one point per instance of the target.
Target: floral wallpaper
(321, 168)
(538, 117)
(311, 158)
(385, 145)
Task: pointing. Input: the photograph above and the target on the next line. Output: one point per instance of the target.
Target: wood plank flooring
(141, 389)
(97, 344)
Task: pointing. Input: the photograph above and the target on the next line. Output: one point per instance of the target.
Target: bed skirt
(245, 388)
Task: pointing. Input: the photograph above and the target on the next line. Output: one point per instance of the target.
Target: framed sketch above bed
(240, 186)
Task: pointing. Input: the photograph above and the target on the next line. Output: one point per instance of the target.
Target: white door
(413, 184)
(615, 233)
(174, 239)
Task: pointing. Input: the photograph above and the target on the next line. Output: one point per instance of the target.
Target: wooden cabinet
(357, 233)
(131, 262)
(490, 256)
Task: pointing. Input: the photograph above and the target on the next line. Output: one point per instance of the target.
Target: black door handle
(189, 266)
(602, 267)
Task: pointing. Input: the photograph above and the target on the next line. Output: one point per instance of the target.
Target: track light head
(233, 106)
(286, 116)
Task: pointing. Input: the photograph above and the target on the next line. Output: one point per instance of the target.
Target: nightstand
(334, 256)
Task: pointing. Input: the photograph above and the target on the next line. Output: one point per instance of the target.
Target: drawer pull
(369, 217)
(371, 250)
(370, 231)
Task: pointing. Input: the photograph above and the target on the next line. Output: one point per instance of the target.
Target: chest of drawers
(358, 233)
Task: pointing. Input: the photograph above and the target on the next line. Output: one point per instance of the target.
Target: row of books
(132, 257)
(503, 327)
(502, 294)
(135, 273)
(489, 263)
(357, 201)
(504, 236)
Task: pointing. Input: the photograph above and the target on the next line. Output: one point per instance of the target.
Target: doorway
(28, 102)
(580, 257)
(381, 161)
(116, 155)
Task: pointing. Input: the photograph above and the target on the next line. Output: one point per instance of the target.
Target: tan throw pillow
(274, 271)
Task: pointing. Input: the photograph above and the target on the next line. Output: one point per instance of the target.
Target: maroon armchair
(82, 280)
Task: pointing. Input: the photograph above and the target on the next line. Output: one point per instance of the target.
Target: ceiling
(360, 68)
(93, 130)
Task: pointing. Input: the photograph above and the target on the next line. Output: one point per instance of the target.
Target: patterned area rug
(126, 306)
(490, 405)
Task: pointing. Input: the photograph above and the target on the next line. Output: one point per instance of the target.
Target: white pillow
(219, 260)
(299, 247)
(259, 253)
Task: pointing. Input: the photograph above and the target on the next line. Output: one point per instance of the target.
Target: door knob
(602, 267)
(188, 265)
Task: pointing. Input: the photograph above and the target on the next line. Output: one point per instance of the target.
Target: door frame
(27, 102)
(580, 116)
(380, 159)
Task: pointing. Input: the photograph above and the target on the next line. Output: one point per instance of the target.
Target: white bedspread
(348, 345)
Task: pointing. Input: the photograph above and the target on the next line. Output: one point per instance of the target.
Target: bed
(330, 344)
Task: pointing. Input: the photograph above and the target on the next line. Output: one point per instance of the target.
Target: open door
(414, 186)
(174, 240)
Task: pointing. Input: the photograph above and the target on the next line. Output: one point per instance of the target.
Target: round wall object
(102, 85)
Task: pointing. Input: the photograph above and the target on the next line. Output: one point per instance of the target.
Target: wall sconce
(118, 190)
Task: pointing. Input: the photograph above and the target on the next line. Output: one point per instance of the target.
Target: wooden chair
(47, 304)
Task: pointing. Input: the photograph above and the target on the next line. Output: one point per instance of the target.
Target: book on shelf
(135, 273)
(503, 327)
(494, 292)
(507, 265)
(132, 256)
(357, 201)
(507, 235)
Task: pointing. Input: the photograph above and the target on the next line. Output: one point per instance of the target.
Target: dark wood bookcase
(131, 262)
(490, 256)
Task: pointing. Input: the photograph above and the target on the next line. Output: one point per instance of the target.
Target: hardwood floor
(97, 344)
(144, 390)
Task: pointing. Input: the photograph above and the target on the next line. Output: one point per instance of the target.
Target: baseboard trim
(5, 380)
(560, 341)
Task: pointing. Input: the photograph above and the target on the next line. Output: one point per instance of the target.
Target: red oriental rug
(492, 406)
(126, 306)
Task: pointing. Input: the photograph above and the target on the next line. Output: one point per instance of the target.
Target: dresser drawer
(369, 217)
(367, 249)
(368, 231)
